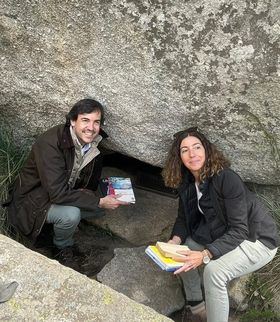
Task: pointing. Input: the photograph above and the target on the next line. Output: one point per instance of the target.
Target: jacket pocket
(25, 217)
(255, 251)
(31, 211)
(39, 198)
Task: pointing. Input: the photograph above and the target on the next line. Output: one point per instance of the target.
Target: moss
(107, 298)
(14, 304)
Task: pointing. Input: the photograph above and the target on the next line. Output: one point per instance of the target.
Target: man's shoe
(67, 258)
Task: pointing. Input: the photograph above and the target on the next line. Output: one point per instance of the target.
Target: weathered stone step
(48, 291)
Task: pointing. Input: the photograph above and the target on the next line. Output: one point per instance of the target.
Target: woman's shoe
(195, 313)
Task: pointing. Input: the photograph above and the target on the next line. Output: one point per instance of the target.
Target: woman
(228, 230)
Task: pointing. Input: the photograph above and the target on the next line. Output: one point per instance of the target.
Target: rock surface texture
(134, 274)
(158, 66)
(150, 219)
(48, 291)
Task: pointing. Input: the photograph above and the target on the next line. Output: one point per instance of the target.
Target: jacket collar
(188, 178)
(66, 141)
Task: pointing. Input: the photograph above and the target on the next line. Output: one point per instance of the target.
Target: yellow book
(165, 263)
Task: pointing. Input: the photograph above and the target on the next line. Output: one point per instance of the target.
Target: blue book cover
(165, 263)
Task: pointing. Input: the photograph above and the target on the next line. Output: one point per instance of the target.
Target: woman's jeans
(65, 220)
(246, 258)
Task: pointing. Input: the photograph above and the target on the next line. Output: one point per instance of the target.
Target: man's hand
(111, 202)
(193, 260)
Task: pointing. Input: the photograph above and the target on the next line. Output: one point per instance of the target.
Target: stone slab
(48, 291)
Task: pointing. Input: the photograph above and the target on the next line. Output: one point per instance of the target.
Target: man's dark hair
(85, 106)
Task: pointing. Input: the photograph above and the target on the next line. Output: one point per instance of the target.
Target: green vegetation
(257, 316)
(11, 160)
(272, 271)
(264, 285)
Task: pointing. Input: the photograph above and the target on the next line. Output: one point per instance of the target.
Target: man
(57, 183)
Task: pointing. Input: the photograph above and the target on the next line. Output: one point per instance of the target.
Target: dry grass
(11, 160)
(270, 274)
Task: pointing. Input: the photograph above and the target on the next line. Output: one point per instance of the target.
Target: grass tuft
(260, 316)
(264, 285)
(272, 270)
(12, 158)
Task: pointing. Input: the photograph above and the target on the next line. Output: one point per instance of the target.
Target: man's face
(87, 126)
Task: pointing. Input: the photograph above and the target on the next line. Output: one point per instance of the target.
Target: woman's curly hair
(174, 168)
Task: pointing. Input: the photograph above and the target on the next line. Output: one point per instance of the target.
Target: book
(119, 186)
(171, 250)
(165, 263)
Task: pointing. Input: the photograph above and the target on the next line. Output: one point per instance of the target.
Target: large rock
(133, 273)
(150, 219)
(238, 295)
(51, 292)
(159, 66)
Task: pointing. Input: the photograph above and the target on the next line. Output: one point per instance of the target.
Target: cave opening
(143, 175)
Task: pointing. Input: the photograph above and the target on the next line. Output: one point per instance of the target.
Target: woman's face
(192, 154)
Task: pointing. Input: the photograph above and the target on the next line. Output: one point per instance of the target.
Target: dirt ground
(96, 247)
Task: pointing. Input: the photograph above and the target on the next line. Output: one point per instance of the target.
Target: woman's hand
(175, 240)
(192, 260)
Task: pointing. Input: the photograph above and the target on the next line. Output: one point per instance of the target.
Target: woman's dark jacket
(44, 181)
(231, 214)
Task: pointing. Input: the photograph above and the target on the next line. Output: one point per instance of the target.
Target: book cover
(120, 186)
(165, 263)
